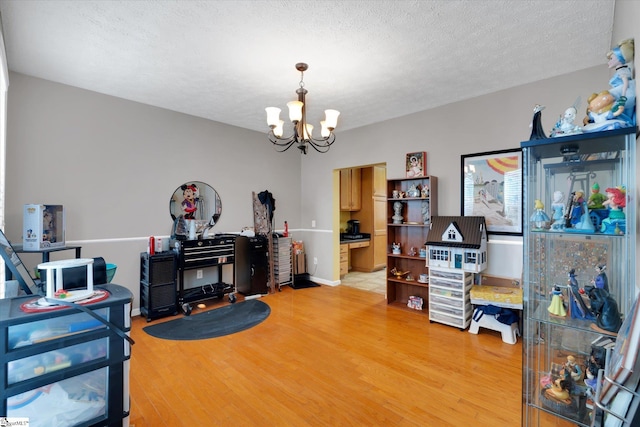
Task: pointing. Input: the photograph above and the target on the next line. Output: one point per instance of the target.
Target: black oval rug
(213, 323)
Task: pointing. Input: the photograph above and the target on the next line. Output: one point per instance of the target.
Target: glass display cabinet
(579, 267)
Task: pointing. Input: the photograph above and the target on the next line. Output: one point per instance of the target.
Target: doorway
(362, 195)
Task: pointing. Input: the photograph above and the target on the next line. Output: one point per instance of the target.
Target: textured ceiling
(372, 60)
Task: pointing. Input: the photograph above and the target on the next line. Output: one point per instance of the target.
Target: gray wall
(114, 163)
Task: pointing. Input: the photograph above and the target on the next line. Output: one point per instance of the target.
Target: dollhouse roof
(471, 228)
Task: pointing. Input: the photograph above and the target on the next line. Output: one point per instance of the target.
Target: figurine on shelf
(580, 220)
(424, 210)
(559, 392)
(596, 198)
(600, 115)
(395, 248)
(565, 125)
(605, 308)
(616, 201)
(572, 369)
(601, 281)
(397, 213)
(557, 206)
(413, 191)
(557, 305)
(539, 218)
(623, 85)
(537, 132)
(424, 192)
(577, 307)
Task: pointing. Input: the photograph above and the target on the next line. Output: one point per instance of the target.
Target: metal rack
(283, 261)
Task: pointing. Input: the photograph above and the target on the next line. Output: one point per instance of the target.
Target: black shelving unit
(158, 290)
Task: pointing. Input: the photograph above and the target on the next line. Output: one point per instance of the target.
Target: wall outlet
(313, 223)
(198, 274)
(315, 260)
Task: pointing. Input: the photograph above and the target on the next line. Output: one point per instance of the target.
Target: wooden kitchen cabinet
(373, 220)
(350, 189)
(344, 259)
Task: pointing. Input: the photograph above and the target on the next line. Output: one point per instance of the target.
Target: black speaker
(158, 292)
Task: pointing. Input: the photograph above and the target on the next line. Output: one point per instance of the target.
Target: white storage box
(43, 227)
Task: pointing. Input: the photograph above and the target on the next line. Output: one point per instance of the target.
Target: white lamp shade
(331, 119)
(325, 132)
(308, 131)
(273, 116)
(295, 110)
(279, 129)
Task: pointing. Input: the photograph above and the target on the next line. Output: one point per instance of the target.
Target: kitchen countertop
(346, 241)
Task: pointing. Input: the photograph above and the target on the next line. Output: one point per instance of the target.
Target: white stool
(488, 321)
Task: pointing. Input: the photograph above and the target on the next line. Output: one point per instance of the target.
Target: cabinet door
(350, 189)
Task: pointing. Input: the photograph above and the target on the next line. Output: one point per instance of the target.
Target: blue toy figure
(539, 218)
(557, 206)
(577, 307)
(623, 86)
(616, 223)
(580, 219)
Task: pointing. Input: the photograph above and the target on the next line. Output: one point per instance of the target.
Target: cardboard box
(300, 263)
(43, 227)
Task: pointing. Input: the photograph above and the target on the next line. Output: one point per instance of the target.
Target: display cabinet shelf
(560, 260)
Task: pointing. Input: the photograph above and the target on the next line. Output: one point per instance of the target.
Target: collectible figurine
(572, 369)
(557, 305)
(606, 310)
(623, 85)
(565, 126)
(397, 213)
(596, 198)
(536, 124)
(601, 280)
(600, 115)
(577, 307)
(557, 206)
(539, 218)
(579, 214)
(396, 248)
(559, 392)
(616, 201)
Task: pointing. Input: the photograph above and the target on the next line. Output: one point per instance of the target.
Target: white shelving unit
(449, 300)
(283, 261)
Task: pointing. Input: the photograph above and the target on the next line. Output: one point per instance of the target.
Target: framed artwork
(492, 187)
(416, 164)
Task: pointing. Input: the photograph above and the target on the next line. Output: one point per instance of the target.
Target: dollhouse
(458, 242)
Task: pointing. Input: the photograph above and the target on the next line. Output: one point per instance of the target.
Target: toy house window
(439, 254)
(470, 257)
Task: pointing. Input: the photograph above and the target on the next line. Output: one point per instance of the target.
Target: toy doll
(580, 219)
(596, 198)
(557, 306)
(557, 206)
(565, 126)
(578, 308)
(616, 201)
(623, 85)
(189, 207)
(539, 218)
(601, 281)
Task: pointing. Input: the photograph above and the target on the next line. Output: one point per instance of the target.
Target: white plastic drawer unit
(448, 309)
(449, 320)
(435, 298)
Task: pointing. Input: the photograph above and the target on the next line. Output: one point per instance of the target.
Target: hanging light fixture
(302, 131)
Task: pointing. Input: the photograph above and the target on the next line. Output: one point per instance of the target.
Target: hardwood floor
(327, 356)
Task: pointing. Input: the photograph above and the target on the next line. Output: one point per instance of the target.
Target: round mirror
(198, 201)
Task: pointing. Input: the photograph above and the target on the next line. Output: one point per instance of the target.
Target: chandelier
(302, 135)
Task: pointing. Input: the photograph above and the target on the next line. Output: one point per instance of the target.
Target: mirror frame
(206, 200)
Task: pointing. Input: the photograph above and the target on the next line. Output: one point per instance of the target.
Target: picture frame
(491, 186)
(416, 165)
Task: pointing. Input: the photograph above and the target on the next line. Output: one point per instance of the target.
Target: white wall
(114, 165)
(492, 122)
